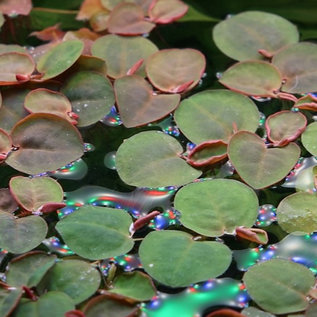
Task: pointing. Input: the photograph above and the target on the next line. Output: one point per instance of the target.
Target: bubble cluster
(266, 215)
(128, 262)
(112, 119)
(168, 218)
(168, 126)
(56, 246)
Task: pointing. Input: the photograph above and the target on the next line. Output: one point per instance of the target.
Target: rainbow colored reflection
(168, 218)
(297, 247)
(75, 170)
(266, 215)
(55, 245)
(112, 119)
(197, 298)
(128, 262)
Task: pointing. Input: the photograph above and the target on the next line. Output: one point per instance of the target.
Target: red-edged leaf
(5, 144)
(88, 8)
(167, 11)
(74, 313)
(207, 153)
(141, 222)
(252, 234)
(12, 7)
(135, 67)
(128, 19)
(51, 33)
(308, 102)
(49, 207)
(99, 21)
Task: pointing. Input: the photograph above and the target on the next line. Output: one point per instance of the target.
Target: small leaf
(308, 102)
(253, 78)
(59, 58)
(285, 126)
(78, 279)
(309, 138)
(298, 212)
(51, 33)
(91, 95)
(15, 7)
(45, 143)
(88, 8)
(138, 105)
(288, 281)
(170, 69)
(252, 234)
(97, 232)
(218, 206)
(128, 19)
(9, 299)
(211, 115)
(297, 64)
(243, 35)
(153, 161)
(7, 202)
(113, 48)
(28, 269)
(99, 21)
(21, 235)
(175, 259)
(167, 11)
(33, 193)
(135, 285)
(258, 165)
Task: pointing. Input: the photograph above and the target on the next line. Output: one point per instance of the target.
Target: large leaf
(8, 300)
(45, 142)
(254, 78)
(243, 35)
(29, 269)
(97, 232)
(113, 49)
(298, 212)
(175, 70)
(175, 259)
(289, 282)
(215, 207)
(59, 58)
(297, 64)
(21, 235)
(33, 193)
(78, 279)
(213, 115)
(154, 161)
(309, 138)
(91, 96)
(138, 105)
(258, 165)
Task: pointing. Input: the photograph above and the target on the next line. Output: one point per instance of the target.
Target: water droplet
(226, 170)
(164, 220)
(75, 171)
(229, 16)
(262, 120)
(112, 119)
(55, 245)
(168, 126)
(219, 75)
(88, 147)
(13, 14)
(266, 215)
(261, 99)
(110, 160)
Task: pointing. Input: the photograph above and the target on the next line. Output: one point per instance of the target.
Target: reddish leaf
(7, 202)
(88, 9)
(12, 7)
(135, 67)
(51, 33)
(99, 21)
(141, 222)
(308, 102)
(253, 234)
(5, 144)
(128, 19)
(167, 11)
(74, 313)
(49, 207)
(225, 312)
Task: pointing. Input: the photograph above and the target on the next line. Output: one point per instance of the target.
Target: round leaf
(91, 96)
(21, 235)
(138, 105)
(298, 212)
(297, 64)
(153, 161)
(175, 70)
(7, 202)
(32, 193)
(212, 115)
(78, 279)
(243, 35)
(289, 282)
(97, 232)
(309, 138)
(175, 259)
(45, 143)
(258, 165)
(254, 78)
(113, 49)
(215, 207)
(59, 58)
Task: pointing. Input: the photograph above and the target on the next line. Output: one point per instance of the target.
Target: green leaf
(45, 142)
(212, 114)
(9, 300)
(253, 78)
(175, 70)
(218, 206)
(59, 58)
(135, 285)
(194, 15)
(91, 96)
(154, 161)
(243, 35)
(309, 138)
(113, 49)
(29, 269)
(258, 165)
(297, 64)
(9, 48)
(175, 259)
(97, 232)
(298, 212)
(78, 279)
(288, 281)
(7, 202)
(138, 105)
(33, 193)
(254, 312)
(21, 235)
(51, 304)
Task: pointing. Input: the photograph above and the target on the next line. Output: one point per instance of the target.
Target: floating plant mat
(149, 174)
